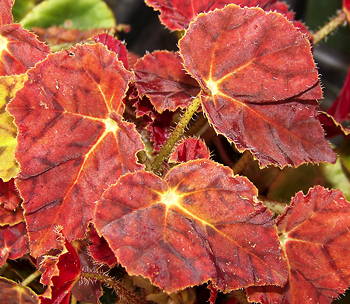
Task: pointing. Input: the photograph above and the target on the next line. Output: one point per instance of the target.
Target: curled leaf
(72, 141)
(69, 269)
(189, 149)
(13, 242)
(99, 249)
(115, 46)
(199, 223)
(256, 83)
(160, 77)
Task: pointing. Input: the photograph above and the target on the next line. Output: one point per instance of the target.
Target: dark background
(332, 56)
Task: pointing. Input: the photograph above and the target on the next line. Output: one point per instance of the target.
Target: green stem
(330, 27)
(73, 300)
(242, 162)
(31, 278)
(120, 290)
(176, 135)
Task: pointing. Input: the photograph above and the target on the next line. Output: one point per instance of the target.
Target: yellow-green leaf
(9, 85)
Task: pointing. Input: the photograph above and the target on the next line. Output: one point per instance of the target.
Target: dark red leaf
(68, 273)
(72, 141)
(160, 129)
(340, 109)
(9, 196)
(100, 250)
(13, 242)
(160, 76)
(14, 293)
(176, 15)
(189, 149)
(337, 119)
(315, 234)
(115, 46)
(256, 86)
(199, 223)
(16, 45)
(6, 12)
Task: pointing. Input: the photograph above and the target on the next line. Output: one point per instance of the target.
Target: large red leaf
(177, 14)
(72, 141)
(6, 12)
(199, 223)
(315, 234)
(14, 293)
(13, 242)
(160, 77)
(19, 50)
(69, 269)
(257, 77)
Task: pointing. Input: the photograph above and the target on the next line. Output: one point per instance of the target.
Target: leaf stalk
(175, 135)
(330, 27)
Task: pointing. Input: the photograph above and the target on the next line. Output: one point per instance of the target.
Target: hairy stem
(176, 135)
(118, 287)
(329, 27)
(31, 278)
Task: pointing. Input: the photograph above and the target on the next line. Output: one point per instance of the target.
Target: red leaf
(314, 232)
(16, 44)
(6, 12)
(47, 264)
(346, 8)
(55, 35)
(259, 81)
(115, 46)
(160, 77)
(13, 242)
(100, 250)
(9, 196)
(189, 149)
(10, 217)
(213, 294)
(69, 271)
(336, 120)
(199, 223)
(340, 109)
(13, 293)
(331, 126)
(160, 129)
(72, 141)
(176, 15)
(85, 290)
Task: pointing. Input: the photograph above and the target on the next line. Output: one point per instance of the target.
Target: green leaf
(22, 8)
(79, 14)
(337, 175)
